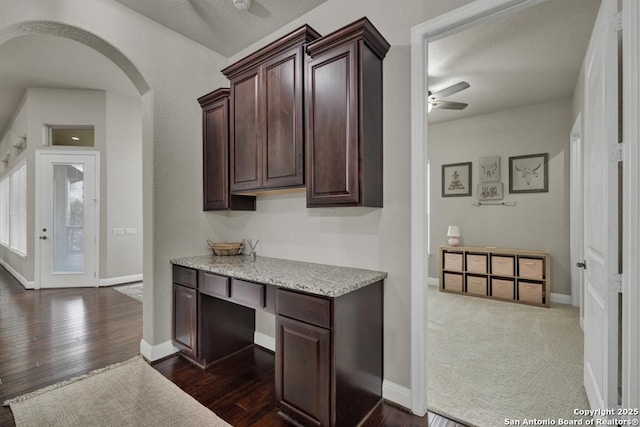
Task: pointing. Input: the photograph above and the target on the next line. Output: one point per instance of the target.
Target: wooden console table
(329, 329)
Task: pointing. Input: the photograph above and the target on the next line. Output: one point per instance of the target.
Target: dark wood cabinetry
(266, 115)
(344, 117)
(215, 159)
(329, 355)
(302, 370)
(185, 319)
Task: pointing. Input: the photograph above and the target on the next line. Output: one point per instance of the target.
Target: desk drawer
(307, 308)
(185, 276)
(214, 285)
(248, 293)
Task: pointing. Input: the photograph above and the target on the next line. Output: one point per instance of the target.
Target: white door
(601, 212)
(576, 205)
(67, 220)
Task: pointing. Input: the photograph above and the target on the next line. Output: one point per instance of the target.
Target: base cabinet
(302, 370)
(185, 319)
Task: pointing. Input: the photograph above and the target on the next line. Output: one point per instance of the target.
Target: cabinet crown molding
(361, 29)
(303, 34)
(214, 96)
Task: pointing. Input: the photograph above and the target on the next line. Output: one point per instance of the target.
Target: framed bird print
(529, 174)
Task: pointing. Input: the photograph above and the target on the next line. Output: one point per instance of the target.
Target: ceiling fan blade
(448, 105)
(449, 91)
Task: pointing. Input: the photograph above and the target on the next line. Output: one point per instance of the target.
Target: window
(13, 209)
(73, 136)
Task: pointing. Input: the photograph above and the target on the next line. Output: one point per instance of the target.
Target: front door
(67, 227)
(601, 212)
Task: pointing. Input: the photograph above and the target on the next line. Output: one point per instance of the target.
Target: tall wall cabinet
(266, 139)
(344, 117)
(516, 275)
(215, 155)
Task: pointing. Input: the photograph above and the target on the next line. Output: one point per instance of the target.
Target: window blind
(4, 210)
(18, 210)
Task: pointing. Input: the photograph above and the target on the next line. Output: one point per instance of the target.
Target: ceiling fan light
(242, 4)
(429, 107)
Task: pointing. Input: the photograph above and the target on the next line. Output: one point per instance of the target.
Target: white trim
(576, 241)
(120, 280)
(157, 352)
(264, 341)
(396, 393)
(433, 281)
(631, 207)
(561, 298)
(420, 34)
(19, 277)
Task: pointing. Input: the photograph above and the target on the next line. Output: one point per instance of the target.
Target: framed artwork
(529, 174)
(490, 191)
(490, 169)
(456, 179)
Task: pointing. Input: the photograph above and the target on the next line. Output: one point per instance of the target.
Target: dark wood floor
(51, 335)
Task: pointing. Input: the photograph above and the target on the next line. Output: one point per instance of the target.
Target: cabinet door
(185, 320)
(302, 370)
(283, 142)
(246, 134)
(215, 139)
(332, 128)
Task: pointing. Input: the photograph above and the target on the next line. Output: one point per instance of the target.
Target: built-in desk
(329, 353)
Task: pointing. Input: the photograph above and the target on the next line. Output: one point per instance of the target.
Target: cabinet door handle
(582, 264)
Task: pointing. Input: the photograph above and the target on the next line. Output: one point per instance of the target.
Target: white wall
(377, 239)
(540, 220)
(123, 255)
(178, 71)
(117, 129)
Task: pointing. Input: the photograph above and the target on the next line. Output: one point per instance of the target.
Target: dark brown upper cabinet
(344, 117)
(266, 140)
(215, 159)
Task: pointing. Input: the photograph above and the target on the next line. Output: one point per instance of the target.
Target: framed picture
(490, 191)
(456, 179)
(529, 174)
(490, 169)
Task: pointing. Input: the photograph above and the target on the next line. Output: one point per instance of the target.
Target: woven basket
(225, 249)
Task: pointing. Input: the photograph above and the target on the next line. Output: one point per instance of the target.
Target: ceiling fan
(435, 99)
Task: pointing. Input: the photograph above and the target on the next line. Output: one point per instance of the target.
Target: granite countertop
(319, 279)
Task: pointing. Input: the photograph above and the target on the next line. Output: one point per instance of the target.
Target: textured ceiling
(528, 57)
(217, 24)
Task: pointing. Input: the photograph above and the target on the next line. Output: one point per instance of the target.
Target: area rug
(130, 393)
(489, 361)
(133, 290)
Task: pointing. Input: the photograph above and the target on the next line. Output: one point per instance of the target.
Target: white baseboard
(433, 281)
(561, 298)
(24, 282)
(156, 352)
(396, 394)
(120, 280)
(264, 341)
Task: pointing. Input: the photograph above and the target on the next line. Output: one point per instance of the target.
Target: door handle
(43, 237)
(582, 264)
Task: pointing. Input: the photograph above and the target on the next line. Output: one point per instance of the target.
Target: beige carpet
(131, 393)
(488, 361)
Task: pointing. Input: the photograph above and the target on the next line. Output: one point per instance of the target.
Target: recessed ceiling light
(75, 138)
